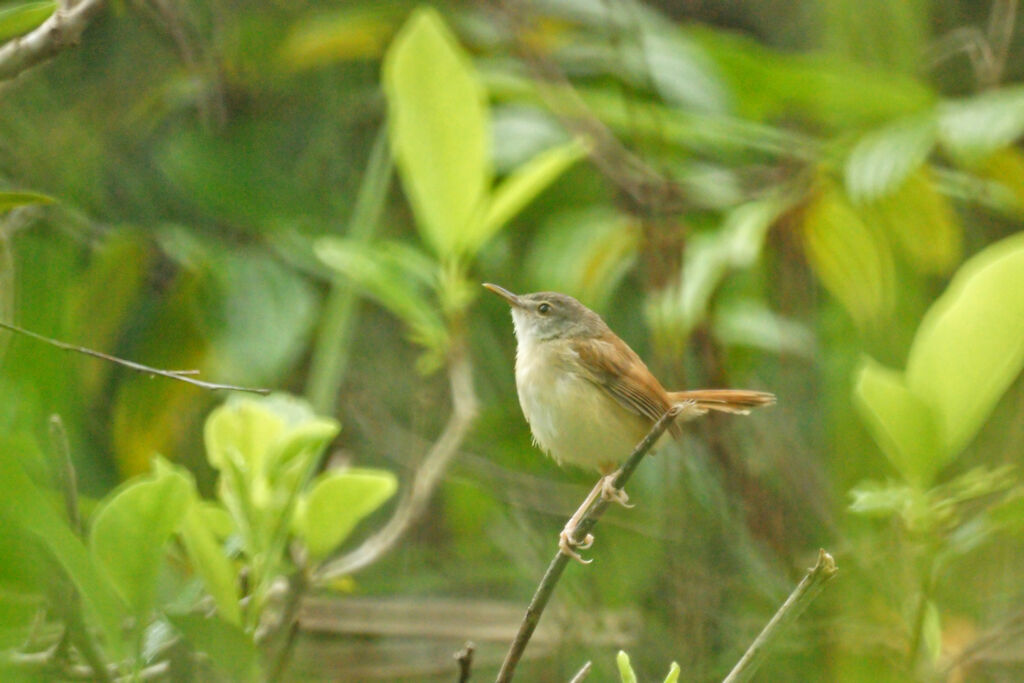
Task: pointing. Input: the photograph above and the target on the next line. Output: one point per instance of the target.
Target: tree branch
(586, 523)
(426, 479)
(61, 30)
(180, 375)
(808, 588)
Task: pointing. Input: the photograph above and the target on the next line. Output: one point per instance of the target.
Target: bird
(588, 398)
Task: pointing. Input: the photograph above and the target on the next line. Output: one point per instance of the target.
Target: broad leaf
(230, 649)
(438, 119)
(922, 223)
(336, 503)
(26, 510)
(902, 423)
(853, 262)
(131, 528)
(973, 128)
(970, 345)
(883, 159)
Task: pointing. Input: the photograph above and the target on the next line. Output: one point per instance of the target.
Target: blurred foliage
(801, 197)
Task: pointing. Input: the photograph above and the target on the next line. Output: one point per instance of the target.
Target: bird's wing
(614, 367)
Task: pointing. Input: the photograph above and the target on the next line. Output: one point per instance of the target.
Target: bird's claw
(568, 546)
(613, 494)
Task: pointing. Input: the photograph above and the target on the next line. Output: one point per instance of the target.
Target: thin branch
(582, 673)
(180, 375)
(427, 477)
(586, 523)
(61, 30)
(465, 659)
(67, 480)
(808, 588)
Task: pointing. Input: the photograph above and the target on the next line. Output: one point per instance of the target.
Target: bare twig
(68, 482)
(586, 523)
(582, 673)
(180, 375)
(465, 659)
(61, 30)
(808, 588)
(426, 479)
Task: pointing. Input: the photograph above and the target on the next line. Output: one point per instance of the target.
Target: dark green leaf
(229, 647)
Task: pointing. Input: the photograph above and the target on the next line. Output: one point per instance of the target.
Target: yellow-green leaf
(439, 125)
(970, 345)
(853, 263)
(336, 503)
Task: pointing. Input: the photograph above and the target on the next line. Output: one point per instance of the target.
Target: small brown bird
(588, 397)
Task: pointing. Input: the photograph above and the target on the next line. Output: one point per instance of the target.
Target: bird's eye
(544, 308)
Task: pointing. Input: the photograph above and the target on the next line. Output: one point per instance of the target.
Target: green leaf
(931, 632)
(25, 509)
(131, 528)
(901, 423)
(520, 188)
(12, 200)
(673, 673)
(973, 128)
(395, 276)
(438, 119)
(851, 261)
(626, 673)
(211, 562)
(336, 503)
(922, 222)
(585, 253)
(18, 19)
(320, 38)
(883, 159)
(230, 649)
(970, 345)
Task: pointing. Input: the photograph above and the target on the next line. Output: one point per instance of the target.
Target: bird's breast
(571, 417)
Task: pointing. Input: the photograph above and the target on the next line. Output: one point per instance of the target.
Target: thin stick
(61, 30)
(808, 588)
(582, 673)
(67, 480)
(558, 564)
(180, 375)
(465, 659)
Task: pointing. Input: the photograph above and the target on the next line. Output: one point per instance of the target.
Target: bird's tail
(735, 401)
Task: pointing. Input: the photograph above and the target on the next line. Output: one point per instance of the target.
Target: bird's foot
(613, 494)
(567, 544)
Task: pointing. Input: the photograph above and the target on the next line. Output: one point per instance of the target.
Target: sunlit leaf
(336, 503)
(883, 159)
(922, 222)
(131, 528)
(853, 263)
(22, 18)
(438, 119)
(230, 649)
(975, 127)
(520, 188)
(970, 345)
(584, 253)
(673, 673)
(626, 673)
(902, 423)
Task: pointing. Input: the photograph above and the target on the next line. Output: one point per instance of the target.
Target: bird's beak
(512, 299)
